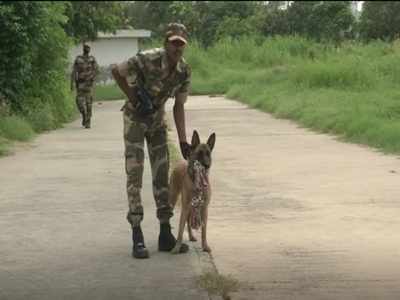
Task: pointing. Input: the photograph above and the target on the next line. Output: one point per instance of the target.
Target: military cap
(176, 31)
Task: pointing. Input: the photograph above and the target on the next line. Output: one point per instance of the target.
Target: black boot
(139, 249)
(166, 240)
(87, 123)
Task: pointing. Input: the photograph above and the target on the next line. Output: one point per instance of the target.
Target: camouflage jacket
(85, 71)
(150, 69)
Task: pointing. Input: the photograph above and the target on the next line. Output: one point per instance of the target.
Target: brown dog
(184, 181)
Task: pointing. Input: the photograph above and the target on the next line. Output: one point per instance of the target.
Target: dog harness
(200, 182)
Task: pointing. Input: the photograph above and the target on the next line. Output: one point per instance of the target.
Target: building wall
(109, 50)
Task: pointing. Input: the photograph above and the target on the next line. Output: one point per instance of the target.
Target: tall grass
(351, 91)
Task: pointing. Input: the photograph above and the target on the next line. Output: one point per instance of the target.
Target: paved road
(294, 214)
(63, 228)
(297, 214)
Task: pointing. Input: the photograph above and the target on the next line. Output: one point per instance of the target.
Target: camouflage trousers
(136, 131)
(84, 100)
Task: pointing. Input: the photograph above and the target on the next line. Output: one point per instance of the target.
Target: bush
(15, 128)
(33, 58)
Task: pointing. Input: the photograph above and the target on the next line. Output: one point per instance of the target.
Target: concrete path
(296, 214)
(63, 229)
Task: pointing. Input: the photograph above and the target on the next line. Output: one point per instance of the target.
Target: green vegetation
(350, 91)
(334, 84)
(218, 284)
(33, 60)
(108, 92)
(14, 128)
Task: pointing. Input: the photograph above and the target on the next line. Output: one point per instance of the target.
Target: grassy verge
(351, 91)
(40, 117)
(13, 128)
(108, 92)
(4, 146)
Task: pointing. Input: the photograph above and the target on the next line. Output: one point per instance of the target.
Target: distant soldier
(83, 75)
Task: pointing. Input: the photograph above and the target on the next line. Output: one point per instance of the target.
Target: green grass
(42, 111)
(351, 91)
(108, 92)
(15, 128)
(218, 284)
(4, 146)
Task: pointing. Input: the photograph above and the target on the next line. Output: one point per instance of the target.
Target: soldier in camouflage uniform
(83, 76)
(160, 73)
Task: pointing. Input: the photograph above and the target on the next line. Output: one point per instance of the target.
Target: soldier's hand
(185, 149)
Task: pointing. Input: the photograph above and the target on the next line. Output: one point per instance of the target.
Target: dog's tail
(176, 183)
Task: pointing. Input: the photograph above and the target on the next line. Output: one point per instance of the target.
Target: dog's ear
(195, 139)
(211, 141)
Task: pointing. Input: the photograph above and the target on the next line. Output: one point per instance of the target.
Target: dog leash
(200, 185)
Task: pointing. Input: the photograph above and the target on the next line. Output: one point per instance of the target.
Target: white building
(113, 48)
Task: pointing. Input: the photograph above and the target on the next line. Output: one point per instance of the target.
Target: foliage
(202, 18)
(87, 18)
(209, 21)
(33, 56)
(14, 128)
(320, 20)
(33, 60)
(350, 90)
(275, 22)
(380, 20)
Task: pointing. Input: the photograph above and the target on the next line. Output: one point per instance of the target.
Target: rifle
(144, 104)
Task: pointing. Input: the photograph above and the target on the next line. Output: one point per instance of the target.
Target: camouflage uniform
(161, 84)
(85, 70)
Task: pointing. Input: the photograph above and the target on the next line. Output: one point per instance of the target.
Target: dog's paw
(207, 249)
(176, 249)
(192, 239)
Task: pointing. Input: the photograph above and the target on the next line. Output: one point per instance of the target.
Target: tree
(214, 13)
(87, 18)
(202, 18)
(275, 21)
(320, 20)
(330, 20)
(380, 20)
(33, 58)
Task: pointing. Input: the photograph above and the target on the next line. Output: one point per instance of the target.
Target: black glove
(185, 149)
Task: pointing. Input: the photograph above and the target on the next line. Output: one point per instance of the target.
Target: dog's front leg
(192, 238)
(204, 218)
(182, 221)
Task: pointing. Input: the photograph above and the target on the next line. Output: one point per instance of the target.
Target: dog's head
(201, 151)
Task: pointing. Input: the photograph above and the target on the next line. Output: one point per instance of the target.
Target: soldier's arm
(120, 75)
(179, 106)
(179, 115)
(73, 76)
